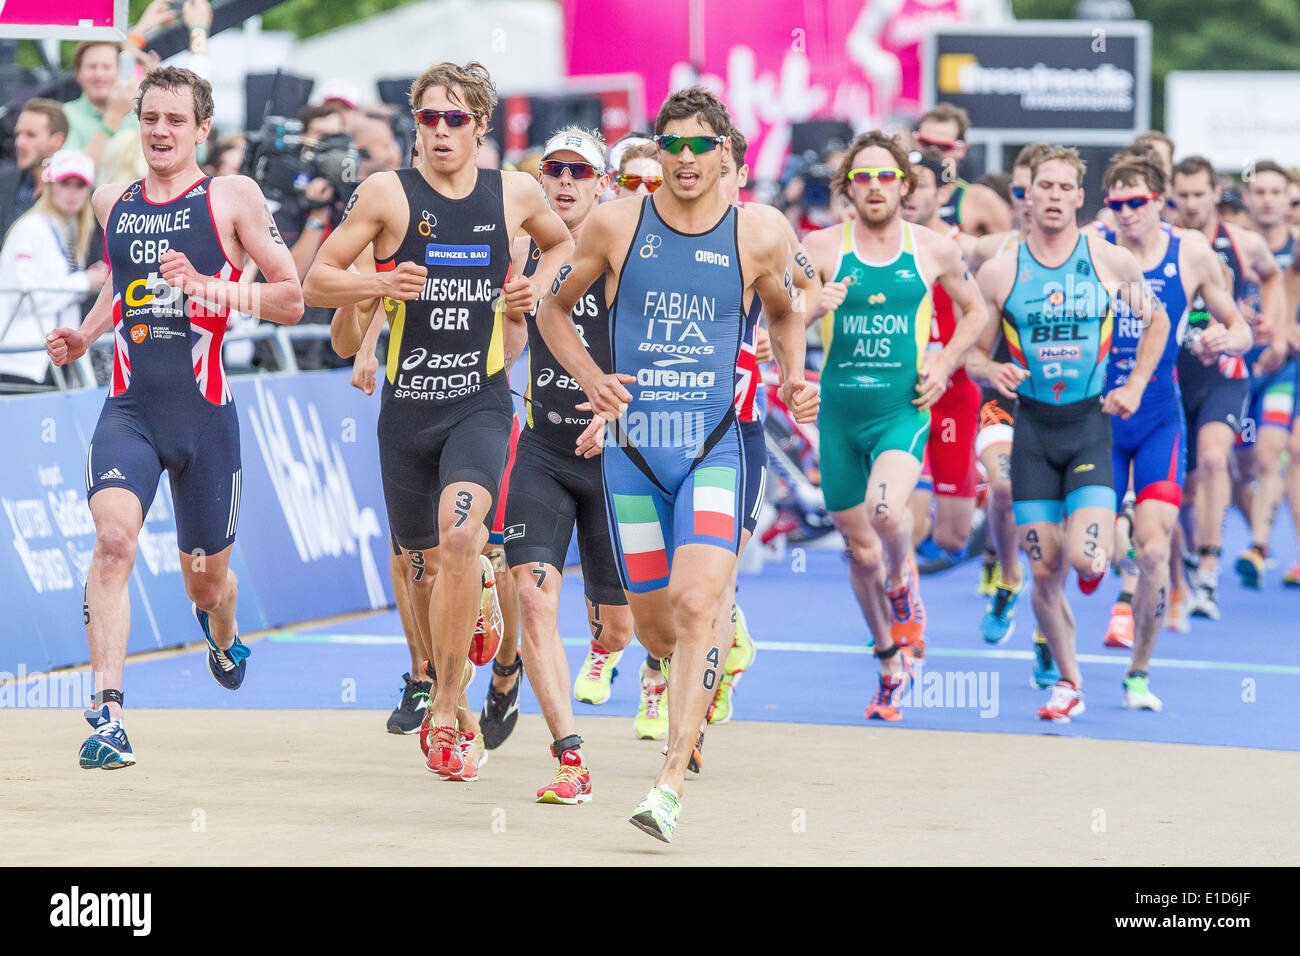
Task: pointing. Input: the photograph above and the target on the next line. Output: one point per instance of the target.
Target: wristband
(136, 40)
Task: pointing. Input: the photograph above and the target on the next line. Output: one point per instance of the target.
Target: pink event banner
(57, 13)
(774, 62)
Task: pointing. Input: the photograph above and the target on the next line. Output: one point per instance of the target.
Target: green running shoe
(657, 814)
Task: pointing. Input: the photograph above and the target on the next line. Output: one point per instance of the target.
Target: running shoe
(466, 676)
(107, 748)
(652, 713)
(1120, 631)
(999, 622)
(572, 783)
(490, 628)
(1088, 585)
(1206, 601)
(741, 656)
(501, 710)
(657, 813)
(888, 702)
(1137, 693)
(907, 613)
(227, 666)
(1250, 568)
(1046, 673)
(597, 674)
(409, 713)
(1066, 702)
(472, 754)
(1179, 607)
(723, 698)
(1292, 578)
(446, 758)
(990, 575)
(696, 762)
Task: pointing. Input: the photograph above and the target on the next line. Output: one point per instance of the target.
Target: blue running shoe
(227, 666)
(1046, 673)
(107, 748)
(999, 622)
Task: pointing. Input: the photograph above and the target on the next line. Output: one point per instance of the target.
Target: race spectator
(43, 272)
(39, 133)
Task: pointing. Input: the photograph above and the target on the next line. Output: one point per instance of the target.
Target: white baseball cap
(349, 94)
(582, 145)
(67, 163)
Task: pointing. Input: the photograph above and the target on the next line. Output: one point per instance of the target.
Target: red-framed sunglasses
(1133, 202)
(455, 118)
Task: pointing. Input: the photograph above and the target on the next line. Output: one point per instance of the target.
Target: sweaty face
(1267, 198)
(1136, 224)
(691, 177)
(572, 199)
(641, 166)
(169, 133)
(33, 141)
(1195, 197)
(921, 205)
(875, 202)
(98, 72)
(444, 149)
(1055, 196)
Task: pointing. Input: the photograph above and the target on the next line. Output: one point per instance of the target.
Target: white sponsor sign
(1234, 118)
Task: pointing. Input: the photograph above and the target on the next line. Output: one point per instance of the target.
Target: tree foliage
(1202, 35)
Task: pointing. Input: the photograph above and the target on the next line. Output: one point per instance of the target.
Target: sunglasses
(455, 118)
(882, 174)
(696, 144)
(1019, 192)
(1133, 202)
(941, 145)
(633, 183)
(555, 169)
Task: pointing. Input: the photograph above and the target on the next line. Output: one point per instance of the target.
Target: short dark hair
(739, 146)
(79, 53)
(474, 80)
(1129, 169)
(697, 103)
(51, 110)
(1265, 166)
(1191, 165)
(865, 141)
(173, 78)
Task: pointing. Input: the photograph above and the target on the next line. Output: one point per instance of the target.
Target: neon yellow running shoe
(657, 814)
(652, 713)
(741, 656)
(597, 674)
(720, 713)
(990, 574)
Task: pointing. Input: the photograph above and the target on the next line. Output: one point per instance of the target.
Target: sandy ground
(331, 788)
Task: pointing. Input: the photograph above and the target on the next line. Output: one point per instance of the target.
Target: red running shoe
(446, 758)
(572, 783)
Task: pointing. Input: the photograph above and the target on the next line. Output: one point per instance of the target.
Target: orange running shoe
(572, 783)
(446, 759)
(1179, 609)
(888, 702)
(907, 613)
(490, 628)
(1120, 632)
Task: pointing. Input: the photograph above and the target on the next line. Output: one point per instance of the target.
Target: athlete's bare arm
(244, 223)
(822, 248)
(68, 345)
(944, 257)
(983, 212)
(377, 213)
(768, 252)
(366, 363)
(1119, 270)
(1275, 321)
(807, 283)
(995, 280)
(988, 247)
(351, 323)
(610, 226)
(1230, 333)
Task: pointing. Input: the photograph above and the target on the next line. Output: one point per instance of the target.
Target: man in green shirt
(105, 104)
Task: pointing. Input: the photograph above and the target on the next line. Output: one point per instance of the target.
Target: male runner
(441, 234)
(1002, 579)
(169, 240)
(1176, 265)
(880, 381)
(1271, 405)
(950, 451)
(975, 209)
(751, 404)
(1055, 300)
(1215, 396)
(556, 488)
(681, 269)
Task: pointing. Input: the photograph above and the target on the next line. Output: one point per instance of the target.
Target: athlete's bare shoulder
(614, 221)
(937, 248)
(104, 197)
(996, 277)
(236, 188)
(757, 225)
